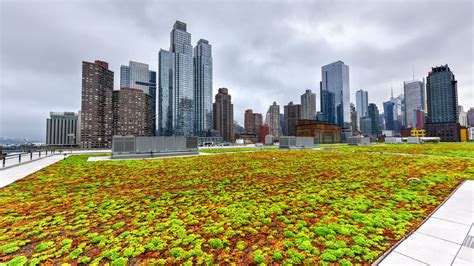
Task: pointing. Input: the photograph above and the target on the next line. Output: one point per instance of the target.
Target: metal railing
(18, 157)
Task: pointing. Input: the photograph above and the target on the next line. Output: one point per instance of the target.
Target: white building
(362, 103)
(414, 92)
(462, 116)
(308, 105)
(63, 128)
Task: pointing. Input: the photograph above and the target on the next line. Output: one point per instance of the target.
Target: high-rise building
(308, 105)
(224, 115)
(366, 125)
(62, 128)
(362, 103)
(176, 85)
(264, 130)
(335, 97)
(258, 121)
(462, 116)
(96, 104)
(132, 112)
(252, 122)
(470, 117)
(248, 121)
(355, 120)
(138, 76)
(420, 119)
(414, 92)
(292, 113)
(282, 123)
(442, 102)
(390, 115)
(203, 87)
(165, 93)
(373, 114)
(442, 96)
(272, 119)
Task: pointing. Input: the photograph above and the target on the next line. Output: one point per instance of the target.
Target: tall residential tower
(223, 110)
(176, 85)
(202, 87)
(96, 104)
(308, 105)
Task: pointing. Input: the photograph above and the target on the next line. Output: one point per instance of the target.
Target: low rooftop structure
(142, 147)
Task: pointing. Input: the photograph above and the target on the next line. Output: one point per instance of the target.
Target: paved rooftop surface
(10, 175)
(446, 238)
(19, 171)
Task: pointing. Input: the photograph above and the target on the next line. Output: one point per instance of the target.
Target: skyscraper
(248, 121)
(355, 120)
(258, 122)
(176, 86)
(132, 109)
(335, 98)
(414, 92)
(273, 120)
(292, 113)
(462, 116)
(96, 104)
(373, 114)
(442, 96)
(362, 103)
(442, 103)
(165, 93)
(137, 76)
(203, 87)
(252, 122)
(308, 105)
(470, 117)
(224, 115)
(390, 117)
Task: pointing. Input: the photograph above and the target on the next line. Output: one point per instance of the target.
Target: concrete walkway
(10, 175)
(446, 238)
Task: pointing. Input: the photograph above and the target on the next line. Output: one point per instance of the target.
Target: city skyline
(254, 71)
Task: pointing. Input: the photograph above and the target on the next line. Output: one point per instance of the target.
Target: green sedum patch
(271, 206)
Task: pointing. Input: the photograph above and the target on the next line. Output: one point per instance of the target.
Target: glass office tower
(335, 98)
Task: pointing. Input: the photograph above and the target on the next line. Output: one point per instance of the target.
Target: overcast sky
(263, 51)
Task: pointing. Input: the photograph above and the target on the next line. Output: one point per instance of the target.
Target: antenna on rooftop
(413, 67)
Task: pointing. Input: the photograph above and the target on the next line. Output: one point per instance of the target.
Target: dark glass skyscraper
(335, 98)
(442, 102)
(389, 112)
(373, 113)
(442, 96)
